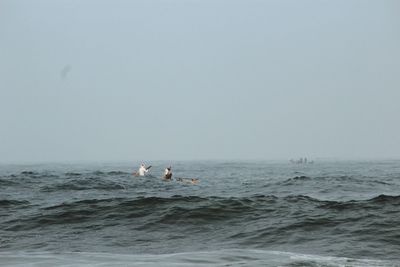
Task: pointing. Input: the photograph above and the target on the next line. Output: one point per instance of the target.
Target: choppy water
(240, 213)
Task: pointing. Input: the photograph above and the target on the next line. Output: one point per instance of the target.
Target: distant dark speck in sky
(64, 72)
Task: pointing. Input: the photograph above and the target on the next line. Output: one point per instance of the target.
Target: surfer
(142, 170)
(167, 173)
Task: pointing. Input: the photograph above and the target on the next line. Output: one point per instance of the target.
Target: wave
(117, 173)
(89, 183)
(295, 180)
(73, 174)
(36, 174)
(300, 178)
(6, 203)
(101, 173)
(196, 210)
(395, 200)
(29, 173)
(7, 182)
(342, 178)
(65, 181)
(219, 257)
(259, 221)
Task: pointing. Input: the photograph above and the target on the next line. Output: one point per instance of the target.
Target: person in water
(188, 180)
(142, 170)
(167, 173)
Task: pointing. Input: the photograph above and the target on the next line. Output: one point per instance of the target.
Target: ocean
(240, 213)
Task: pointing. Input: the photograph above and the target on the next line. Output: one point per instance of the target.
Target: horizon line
(105, 161)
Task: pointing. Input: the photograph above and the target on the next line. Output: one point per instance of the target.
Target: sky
(99, 80)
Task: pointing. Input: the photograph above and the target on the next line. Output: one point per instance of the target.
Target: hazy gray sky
(140, 80)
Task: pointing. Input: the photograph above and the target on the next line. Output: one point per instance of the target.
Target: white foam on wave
(231, 257)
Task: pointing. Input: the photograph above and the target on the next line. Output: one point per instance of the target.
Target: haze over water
(141, 80)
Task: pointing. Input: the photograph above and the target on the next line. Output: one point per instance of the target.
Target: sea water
(243, 213)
